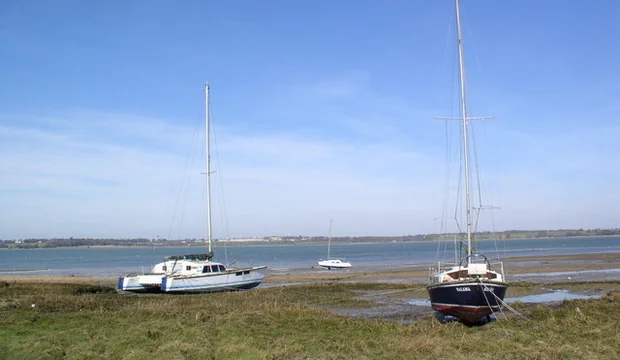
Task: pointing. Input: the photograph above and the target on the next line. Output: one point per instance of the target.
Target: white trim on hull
(468, 283)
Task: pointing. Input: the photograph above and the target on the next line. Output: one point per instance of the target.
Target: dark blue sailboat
(471, 289)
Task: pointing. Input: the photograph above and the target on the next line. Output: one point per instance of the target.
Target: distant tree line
(517, 234)
(53, 243)
(510, 234)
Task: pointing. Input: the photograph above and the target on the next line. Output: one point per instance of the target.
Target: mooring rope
(484, 287)
(502, 302)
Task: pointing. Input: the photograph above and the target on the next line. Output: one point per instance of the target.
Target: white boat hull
(334, 264)
(140, 283)
(233, 279)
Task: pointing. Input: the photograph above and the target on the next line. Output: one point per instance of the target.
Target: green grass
(77, 321)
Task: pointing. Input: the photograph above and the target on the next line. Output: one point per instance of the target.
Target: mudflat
(517, 269)
(324, 317)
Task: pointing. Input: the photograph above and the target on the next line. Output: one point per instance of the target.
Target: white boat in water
(194, 273)
(471, 289)
(333, 263)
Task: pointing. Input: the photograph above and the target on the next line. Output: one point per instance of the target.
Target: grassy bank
(82, 321)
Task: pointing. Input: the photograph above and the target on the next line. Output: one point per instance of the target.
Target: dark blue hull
(469, 301)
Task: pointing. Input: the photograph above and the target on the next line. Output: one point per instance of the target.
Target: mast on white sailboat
(329, 238)
(208, 165)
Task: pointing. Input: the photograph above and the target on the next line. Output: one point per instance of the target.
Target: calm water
(118, 261)
(550, 297)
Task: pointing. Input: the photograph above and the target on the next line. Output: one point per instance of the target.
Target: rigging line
(449, 153)
(444, 210)
(477, 164)
(195, 149)
(184, 178)
(486, 299)
(449, 36)
(187, 191)
(480, 189)
(453, 95)
(470, 39)
(513, 310)
(478, 63)
(494, 235)
(459, 198)
(500, 308)
(204, 190)
(219, 169)
(477, 169)
(222, 197)
(505, 304)
(447, 141)
(501, 301)
(451, 30)
(391, 292)
(459, 186)
(204, 205)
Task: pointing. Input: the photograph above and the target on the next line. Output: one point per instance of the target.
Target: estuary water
(96, 261)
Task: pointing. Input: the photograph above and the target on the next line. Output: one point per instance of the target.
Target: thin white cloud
(345, 85)
(373, 164)
(71, 182)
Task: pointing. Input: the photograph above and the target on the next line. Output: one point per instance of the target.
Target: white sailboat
(471, 289)
(332, 263)
(194, 273)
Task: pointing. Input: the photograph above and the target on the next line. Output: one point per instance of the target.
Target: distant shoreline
(219, 245)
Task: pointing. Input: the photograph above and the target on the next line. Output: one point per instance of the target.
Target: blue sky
(322, 110)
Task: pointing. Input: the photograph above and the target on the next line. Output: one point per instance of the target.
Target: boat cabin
(213, 268)
(470, 271)
(188, 264)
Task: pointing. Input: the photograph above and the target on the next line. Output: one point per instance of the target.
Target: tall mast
(329, 238)
(464, 121)
(208, 160)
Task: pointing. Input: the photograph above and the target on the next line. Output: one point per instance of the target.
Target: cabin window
(206, 269)
(222, 268)
(188, 267)
(239, 273)
(246, 272)
(214, 268)
(164, 268)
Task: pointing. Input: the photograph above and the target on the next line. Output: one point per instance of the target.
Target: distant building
(243, 240)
